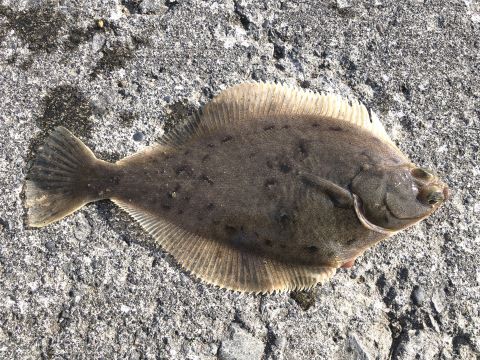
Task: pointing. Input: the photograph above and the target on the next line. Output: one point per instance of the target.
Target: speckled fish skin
(276, 201)
(247, 188)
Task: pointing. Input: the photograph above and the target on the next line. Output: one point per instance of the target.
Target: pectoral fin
(339, 196)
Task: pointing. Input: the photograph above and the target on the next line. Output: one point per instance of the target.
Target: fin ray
(222, 264)
(250, 102)
(56, 184)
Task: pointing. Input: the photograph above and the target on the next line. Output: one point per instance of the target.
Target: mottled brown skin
(246, 187)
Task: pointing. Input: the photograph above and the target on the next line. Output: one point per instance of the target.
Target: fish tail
(64, 176)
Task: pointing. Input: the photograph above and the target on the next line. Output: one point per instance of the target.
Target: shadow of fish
(268, 188)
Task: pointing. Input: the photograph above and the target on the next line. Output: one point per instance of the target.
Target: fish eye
(431, 195)
(435, 197)
(421, 174)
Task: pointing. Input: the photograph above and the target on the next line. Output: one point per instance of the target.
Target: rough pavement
(116, 72)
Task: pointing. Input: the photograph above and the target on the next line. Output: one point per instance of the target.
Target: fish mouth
(358, 206)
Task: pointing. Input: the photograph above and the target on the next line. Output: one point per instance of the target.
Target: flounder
(267, 188)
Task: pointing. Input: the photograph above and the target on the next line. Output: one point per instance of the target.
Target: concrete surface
(115, 71)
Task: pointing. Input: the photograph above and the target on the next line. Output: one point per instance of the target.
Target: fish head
(391, 198)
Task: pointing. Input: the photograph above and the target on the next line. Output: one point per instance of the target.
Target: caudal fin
(58, 182)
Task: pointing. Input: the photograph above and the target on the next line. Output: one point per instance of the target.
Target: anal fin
(224, 265)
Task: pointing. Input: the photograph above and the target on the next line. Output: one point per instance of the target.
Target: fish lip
(358, 206)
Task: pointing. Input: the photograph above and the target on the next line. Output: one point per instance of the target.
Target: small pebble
(100, 23)
(241, 346)
(50, 245)
(438, 301)
(153, 7)
(418, 295)
(82, 229)
(343, 4)
(138, 136)
(64, 314)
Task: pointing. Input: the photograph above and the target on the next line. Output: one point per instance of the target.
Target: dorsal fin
(224, 265)
(253, 101)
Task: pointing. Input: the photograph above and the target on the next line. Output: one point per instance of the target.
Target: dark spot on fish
(283, 218)
(115, 180)
(204, 177)
(285, 168)
(210, 206)
(269, 127)
(270, 183)
(286, 127)
(302, 147)
(227, 139)
(186, 152)
(307, 182)
(166, 206)
(184, 170)
(312, 249)
(335, 128)
(230, 230)
(210, 145)
(351, 241)
(268, 242)
(205, 158)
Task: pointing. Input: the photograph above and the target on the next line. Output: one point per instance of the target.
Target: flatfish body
(268, 188)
